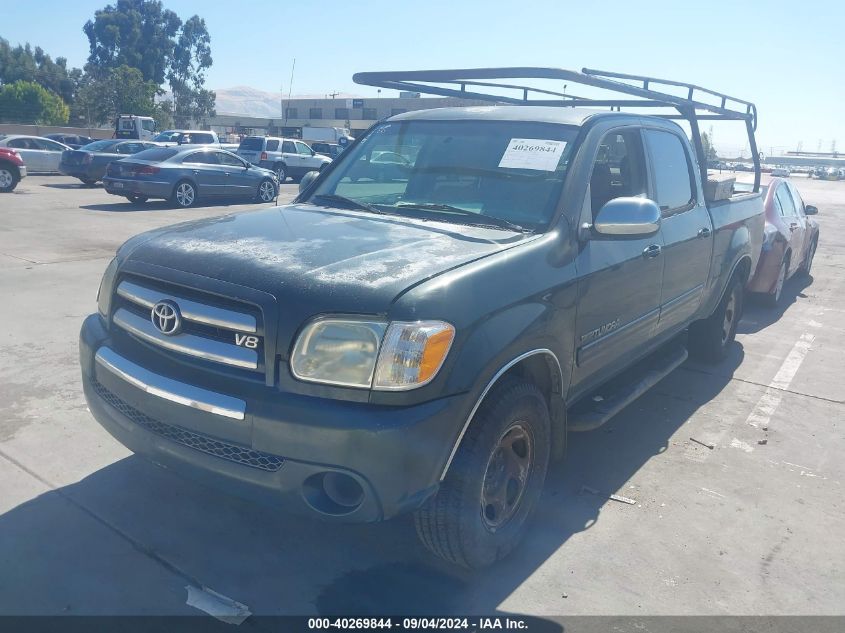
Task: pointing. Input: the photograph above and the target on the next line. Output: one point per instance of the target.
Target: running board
(594, 411)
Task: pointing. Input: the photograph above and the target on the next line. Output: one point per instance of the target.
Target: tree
(191, 58)
(135, 33)
(707, 145)
(28, 102)
(120, 90)
(22, 63)
(143, 34)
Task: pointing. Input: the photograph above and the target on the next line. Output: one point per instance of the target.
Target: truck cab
(135, 127)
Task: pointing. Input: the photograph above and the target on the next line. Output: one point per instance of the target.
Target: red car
(789, 241)
(12, 169)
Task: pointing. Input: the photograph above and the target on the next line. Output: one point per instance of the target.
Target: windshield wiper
(348, 202)
(479, 220)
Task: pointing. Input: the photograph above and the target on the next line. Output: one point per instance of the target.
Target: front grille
(211, 327)
(203, 443)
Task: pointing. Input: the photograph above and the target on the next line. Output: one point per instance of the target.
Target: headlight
(369, 354)
(106, 287)
(338, 351)
(412, 354)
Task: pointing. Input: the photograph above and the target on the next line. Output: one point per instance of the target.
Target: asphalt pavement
(752, 526)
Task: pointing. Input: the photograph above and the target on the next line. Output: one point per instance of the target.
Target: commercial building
(356, 115)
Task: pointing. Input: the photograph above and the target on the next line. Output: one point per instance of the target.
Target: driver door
(619, 277)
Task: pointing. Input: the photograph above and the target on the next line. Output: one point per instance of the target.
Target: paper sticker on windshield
(532, 153)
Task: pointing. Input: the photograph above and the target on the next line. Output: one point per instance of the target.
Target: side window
(129, 148)
(671, 166)
(20, 143)
(787, 206)
(796, 198)
(302, 148)
(288, 147)
(229, 160)
(619, 169)
(272, 146)
(201, 158)
(149, 126)
(51, 146)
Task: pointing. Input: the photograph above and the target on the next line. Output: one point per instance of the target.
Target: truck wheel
(710, 338)
(773, 298)
(481, 510)
(9, 179)
(184, 194)
(281, 172)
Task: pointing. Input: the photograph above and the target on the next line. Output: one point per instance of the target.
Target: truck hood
(318, 260)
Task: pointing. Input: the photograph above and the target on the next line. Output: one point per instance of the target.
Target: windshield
(165, 137)
(99, 146)
(459, 171)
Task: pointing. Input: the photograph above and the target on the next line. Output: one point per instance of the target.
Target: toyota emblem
(165, 316)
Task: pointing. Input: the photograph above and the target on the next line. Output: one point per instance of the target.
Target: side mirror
(307, 179)
(628, 216)
(811, 210)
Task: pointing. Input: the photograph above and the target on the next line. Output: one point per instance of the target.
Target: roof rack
(470, 83)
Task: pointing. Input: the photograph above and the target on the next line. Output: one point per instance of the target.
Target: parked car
(188, 137)
(12, 169)
(424, 345)
(74, 141)
(286, 157)
(41, 155)
(829, 173)
(184, 175)
(780, 172)
(790, 241)
(332, 150)
(89, 163)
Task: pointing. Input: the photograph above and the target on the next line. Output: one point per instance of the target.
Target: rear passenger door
(209, 175)
(619, 276)
(685, 224)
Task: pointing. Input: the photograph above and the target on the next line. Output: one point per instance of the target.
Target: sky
(786, 57)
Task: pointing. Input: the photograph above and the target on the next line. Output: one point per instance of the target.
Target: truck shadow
(281, 564)
(758, 316)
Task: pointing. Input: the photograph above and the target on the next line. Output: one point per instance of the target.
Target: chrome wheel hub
(506, 477)
(185, 195)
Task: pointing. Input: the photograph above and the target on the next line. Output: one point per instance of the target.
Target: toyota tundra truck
(421, 328)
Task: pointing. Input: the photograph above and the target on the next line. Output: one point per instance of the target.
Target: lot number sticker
(532, 153)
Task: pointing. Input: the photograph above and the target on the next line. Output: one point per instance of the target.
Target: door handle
(793, 227)
(196, 172)
(704, 232)
(651, 251)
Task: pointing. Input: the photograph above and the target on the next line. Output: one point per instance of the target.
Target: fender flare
(490, 384)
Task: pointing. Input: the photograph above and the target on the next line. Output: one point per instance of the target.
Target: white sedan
(780, 172)
(39, 154)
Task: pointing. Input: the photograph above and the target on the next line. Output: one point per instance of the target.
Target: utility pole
(333, 94)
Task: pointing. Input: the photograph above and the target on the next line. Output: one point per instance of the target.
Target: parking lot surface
(751, 526)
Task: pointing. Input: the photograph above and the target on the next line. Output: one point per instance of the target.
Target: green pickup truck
(439, 307)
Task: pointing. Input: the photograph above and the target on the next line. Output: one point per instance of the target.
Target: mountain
(247, 101)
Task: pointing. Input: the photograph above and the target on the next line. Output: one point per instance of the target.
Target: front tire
(266, 190)
(9, 179)
(481, 510)
(184, 194)
(807, 266)
(281, 171)
(710, 338)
